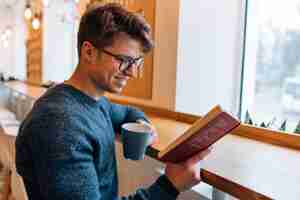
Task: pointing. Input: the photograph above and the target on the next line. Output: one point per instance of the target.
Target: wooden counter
(25, 89)
(243, 167)
(240, 166)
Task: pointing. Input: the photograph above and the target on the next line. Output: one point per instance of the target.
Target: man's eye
(126, 60)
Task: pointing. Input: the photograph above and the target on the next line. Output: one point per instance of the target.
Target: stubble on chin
(99, 88)
(117, 90)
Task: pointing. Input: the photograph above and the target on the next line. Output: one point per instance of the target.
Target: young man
(65, 148)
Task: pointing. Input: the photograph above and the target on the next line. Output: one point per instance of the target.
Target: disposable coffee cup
(135, 138)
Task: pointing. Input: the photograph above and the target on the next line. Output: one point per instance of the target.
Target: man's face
(104, 69)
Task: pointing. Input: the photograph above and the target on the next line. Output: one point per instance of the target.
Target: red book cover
(203, 137)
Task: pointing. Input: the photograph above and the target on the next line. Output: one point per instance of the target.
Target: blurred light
(8, 32)
(3, 36)
(5, 43)
(35, 23)
(28, 13)
(76, 1)
(46, 3)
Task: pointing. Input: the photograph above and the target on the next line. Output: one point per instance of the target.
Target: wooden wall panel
(34, 48)
(142, 87)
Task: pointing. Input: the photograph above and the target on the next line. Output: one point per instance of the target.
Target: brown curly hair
(101, 23)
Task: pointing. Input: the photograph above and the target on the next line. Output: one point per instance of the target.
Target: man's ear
(88, 52)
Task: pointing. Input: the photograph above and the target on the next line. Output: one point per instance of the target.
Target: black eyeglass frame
(126, 61)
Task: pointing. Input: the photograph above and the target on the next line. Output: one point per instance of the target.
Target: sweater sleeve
(162, 189)
(121, 114)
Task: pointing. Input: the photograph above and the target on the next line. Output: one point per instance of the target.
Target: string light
(3, 36)
(28, 13)
(36, 23)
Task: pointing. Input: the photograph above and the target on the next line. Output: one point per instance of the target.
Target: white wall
(6, 59)
(209, 55)
(20, 34)
(13, 58)
(58, 43)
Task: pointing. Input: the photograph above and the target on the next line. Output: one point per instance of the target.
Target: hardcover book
(203, 133)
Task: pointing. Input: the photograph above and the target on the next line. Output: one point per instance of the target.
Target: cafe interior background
(239, 54)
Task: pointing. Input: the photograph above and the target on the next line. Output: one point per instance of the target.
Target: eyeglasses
(126, 61)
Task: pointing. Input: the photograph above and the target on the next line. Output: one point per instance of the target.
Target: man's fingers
(146, 124)
(154, 135)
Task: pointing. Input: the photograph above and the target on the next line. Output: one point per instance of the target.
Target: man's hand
(153, 132)
(186, 174)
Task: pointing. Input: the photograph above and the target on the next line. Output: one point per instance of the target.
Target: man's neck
(82, 82)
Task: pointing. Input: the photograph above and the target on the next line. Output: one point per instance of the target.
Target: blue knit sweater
(65, 149)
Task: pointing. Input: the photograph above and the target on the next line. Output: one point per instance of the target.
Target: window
(271, 74)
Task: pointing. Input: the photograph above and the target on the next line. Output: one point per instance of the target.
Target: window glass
(271, 78)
